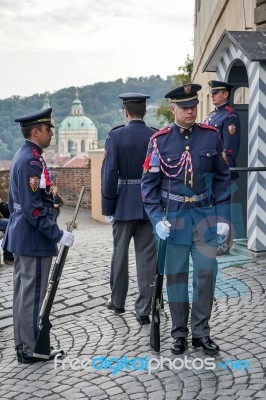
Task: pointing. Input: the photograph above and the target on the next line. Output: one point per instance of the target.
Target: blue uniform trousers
(203, 256)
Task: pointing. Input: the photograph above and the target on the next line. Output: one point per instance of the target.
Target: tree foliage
(100, 103)
(163, 112)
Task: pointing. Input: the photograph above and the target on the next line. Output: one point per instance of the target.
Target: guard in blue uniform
(186, 174)
(31, 234)
(125, 151)
(226, 120)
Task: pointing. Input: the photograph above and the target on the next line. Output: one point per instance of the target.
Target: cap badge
(187, 89)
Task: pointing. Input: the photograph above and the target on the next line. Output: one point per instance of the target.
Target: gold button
(168, 159)
(186, 137)
(182, 130)
(187, 148)
(190, 170)
(208, 154)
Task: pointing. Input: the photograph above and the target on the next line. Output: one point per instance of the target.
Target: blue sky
(52, 44)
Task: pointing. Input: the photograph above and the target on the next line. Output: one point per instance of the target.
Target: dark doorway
(239, 100)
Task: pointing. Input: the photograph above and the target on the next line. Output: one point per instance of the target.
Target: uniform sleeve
(222, 185)
(151, 192)
(31, 204)
(231, 138)
(109, 176)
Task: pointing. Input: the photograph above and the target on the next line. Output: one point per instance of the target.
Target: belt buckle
(188, 199)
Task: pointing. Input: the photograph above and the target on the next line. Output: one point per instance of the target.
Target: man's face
(44, 136)
(219, 98)
(184, 116)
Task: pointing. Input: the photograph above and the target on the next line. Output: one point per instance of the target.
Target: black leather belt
(184, 199)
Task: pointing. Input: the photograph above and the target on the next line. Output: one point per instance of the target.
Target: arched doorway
(239, 57)
(237, 76)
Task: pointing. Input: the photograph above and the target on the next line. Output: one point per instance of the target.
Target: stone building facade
(212, 18)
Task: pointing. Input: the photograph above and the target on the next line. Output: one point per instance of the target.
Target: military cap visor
(39, 117)
(184, 96)
(133, 97)
(216, 86)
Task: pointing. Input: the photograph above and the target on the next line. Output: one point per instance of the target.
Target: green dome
(77, 121)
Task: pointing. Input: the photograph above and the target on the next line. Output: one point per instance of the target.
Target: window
(241, 95)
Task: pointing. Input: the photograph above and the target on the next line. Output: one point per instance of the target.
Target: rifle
(157, 299)
(42, 345)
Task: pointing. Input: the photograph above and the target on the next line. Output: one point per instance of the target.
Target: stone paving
(91, 335)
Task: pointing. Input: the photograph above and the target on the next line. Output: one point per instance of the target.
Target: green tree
(5, 154)
(163, 112)
(100, 103)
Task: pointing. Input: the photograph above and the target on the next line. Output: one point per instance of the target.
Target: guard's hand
(109, 219)
(67, 239)
(163, 229)
(222, 229)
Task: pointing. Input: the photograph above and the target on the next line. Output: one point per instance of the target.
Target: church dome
(77, 121)
(77, 134)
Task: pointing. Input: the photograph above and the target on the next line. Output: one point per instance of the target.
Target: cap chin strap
(182, 100)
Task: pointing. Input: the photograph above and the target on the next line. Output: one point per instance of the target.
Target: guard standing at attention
(31, 234)
(186, 172)
(125, 151)
(226, 120)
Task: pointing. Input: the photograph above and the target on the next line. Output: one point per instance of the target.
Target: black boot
(8, 258)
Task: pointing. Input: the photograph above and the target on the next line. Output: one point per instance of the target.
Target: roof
(71, 162)
(77, 123)
(5, 165)
(251, 43)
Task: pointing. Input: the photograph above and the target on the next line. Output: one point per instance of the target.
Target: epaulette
(205, 126)
(162, 132)
(230, 109)
(116, 127)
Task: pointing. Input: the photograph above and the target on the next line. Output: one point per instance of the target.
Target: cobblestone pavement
(86, 330)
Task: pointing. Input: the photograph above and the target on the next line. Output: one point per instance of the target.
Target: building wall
(96, 158)
(68, 180)
(90, 138)
(4, 184)
(211, 19)
(260, 15)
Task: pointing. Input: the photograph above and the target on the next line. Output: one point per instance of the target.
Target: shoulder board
(230, 109)
(162, 132)
(116, 127)
(210, 127)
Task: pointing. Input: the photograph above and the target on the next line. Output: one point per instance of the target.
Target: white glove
(222, 229)
(109, 219)
(163, 229)
(67, 239)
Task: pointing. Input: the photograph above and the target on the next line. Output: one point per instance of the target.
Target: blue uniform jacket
(226, 120)
(31, 230)
(125, 151)
(209, 175)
